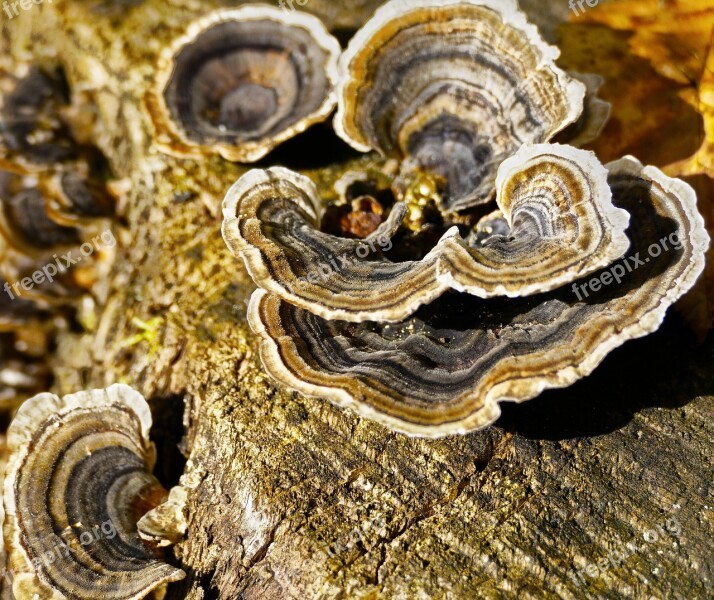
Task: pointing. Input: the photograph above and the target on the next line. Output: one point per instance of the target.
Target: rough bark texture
(292, 498)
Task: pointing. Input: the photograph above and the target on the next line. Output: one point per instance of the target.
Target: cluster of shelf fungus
(457, 279)
(476, 290)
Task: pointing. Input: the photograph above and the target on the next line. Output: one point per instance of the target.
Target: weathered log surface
(292, 498)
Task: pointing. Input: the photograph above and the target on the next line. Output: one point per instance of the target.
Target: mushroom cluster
(55, 236)
(573, 260)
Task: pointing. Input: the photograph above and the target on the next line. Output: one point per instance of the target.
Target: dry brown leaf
(677, 37)
(649, 117)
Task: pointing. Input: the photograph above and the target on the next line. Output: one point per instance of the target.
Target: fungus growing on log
(241, 81)
(78, 479)
(445, 369)
(452, 87)
(32, 132)
(56, 244)
(45, 243)
(562, 225)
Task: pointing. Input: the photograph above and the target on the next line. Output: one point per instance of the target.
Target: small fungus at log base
(78, 480)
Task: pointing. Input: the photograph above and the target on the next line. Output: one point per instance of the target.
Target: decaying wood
(289, 497)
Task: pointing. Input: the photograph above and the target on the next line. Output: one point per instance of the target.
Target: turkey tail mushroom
(78, 479)
(452, 87)
(241, 81)
(445, 369)
(561, 225)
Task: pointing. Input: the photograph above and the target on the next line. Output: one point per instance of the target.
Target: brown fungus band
(445, 369)
(452, 87)
(561, 225)
(241, 81)
(78, 480)
(32, 132)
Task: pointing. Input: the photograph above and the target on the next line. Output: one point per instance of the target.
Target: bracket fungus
(452, 87)
(54, 192)
(445, 369)
(577, 259)
(556, 200)
(41, 234)
(241, 81)
(77, 481)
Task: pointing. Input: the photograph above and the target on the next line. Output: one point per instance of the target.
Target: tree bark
(290, 497)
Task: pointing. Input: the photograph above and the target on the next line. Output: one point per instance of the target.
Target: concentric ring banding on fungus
(271, 220)
(24, 221)
(72, 199)
(557, 198)
(39, 235)
(562, 225)
(452, 87)
(445, 369)
(77, 481)
(241, 81)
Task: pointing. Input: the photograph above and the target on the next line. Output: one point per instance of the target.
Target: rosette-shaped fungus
(578, 258)
(452, 87)
(241, 81)
(78, 479)
(445, 369)
(555, 198)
